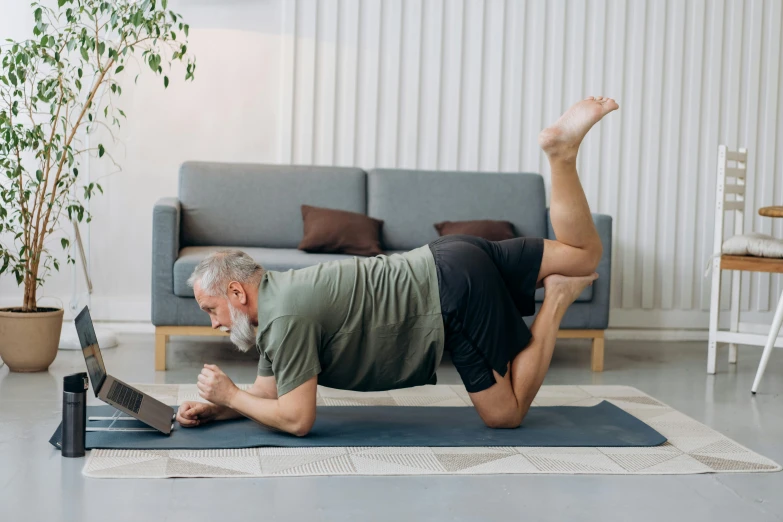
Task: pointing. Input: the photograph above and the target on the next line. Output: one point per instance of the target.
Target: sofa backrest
(410, 202)
(237, 204)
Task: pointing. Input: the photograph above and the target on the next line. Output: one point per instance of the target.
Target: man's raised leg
(578, 249)
(567, 267)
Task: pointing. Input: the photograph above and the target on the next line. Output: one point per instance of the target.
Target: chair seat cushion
(753, 244)
(276, 259)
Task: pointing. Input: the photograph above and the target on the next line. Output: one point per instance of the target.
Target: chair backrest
(730, 193)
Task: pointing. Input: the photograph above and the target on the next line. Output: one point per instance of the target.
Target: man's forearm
(226, 413)
(263, 411)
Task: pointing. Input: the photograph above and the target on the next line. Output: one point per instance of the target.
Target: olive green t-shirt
(365, 324)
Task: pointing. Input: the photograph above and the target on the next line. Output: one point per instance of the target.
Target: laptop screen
(90, 349)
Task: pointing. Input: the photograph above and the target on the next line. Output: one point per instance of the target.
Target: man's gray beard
(243, 335)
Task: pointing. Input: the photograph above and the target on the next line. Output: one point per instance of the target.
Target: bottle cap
(75, 383)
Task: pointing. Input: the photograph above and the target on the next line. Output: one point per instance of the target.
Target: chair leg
(773, 335)
(712, 346)
(735, 311)
(597, 355)
(160, 351)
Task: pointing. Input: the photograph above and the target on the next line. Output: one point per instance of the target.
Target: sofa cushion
(489, 229)
(410, 201)
(251, 205)
(340, 232)
(277, 259)
(585, 297)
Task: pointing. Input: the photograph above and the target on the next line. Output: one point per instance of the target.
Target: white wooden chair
(730, 197)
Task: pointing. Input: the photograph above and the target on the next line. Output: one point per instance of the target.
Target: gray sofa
(256, 208)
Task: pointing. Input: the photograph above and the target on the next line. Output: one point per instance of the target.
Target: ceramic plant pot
(29, 340)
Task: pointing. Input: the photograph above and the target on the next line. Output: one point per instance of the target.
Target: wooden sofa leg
(597, 358)
(160, 350)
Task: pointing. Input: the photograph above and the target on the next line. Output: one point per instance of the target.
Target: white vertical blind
(468, 84)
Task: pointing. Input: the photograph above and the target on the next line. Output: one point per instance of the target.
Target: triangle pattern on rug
(244, 464)
(139, 469)
(189, 468)
(640, 461)
(720, 446)
(463, 461)
(275, 464)
(574, 463)
(396, 463)
(101, 461)
(339, 465)
(723, 464)
(510, 463)
(683, 464)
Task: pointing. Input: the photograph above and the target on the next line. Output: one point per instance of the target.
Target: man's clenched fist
(215, 386)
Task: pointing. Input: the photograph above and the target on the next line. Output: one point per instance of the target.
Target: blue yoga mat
(603, 425)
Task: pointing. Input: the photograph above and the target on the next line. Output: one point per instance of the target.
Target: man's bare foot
(567, 289)
(561, 140)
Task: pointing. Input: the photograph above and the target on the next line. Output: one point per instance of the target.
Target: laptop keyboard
(125, 397)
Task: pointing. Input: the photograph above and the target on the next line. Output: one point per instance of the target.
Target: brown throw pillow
(486, 228)
(328, 230)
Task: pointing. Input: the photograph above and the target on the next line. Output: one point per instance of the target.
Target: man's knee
(595, 255)
(510, 418)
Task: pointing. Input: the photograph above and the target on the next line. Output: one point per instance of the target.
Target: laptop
(113, 391)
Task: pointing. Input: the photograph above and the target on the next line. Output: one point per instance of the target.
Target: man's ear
(235, 289)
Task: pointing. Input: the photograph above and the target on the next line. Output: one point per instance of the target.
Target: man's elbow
(301, 427)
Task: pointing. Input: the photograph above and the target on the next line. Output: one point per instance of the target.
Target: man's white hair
(218, 269)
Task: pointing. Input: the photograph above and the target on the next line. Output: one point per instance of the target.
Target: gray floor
(37, 484)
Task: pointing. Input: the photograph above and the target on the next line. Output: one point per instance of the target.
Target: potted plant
(50, 88)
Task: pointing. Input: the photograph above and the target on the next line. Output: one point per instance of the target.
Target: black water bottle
(74, 414)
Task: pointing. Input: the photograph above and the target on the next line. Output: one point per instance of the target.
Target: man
(383, 322)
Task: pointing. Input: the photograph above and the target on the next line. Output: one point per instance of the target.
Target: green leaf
(164, 3)
(39, 175)
(165, 82)
(118, 69)
(101, 150)
(38, 14)
(84, 54)
(61, 3)
(185, 28)
(64, 242)
(99, 187)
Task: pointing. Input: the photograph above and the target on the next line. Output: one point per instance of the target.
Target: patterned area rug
(692, 447)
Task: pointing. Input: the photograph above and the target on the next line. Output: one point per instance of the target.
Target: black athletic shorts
(486, 287)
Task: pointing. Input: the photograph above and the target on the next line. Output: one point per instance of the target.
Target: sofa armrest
(165, 250)
(599, 313)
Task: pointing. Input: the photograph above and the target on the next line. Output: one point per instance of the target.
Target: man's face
(227, 317)
(216, 307)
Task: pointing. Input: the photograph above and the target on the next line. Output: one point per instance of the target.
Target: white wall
(467, 85)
